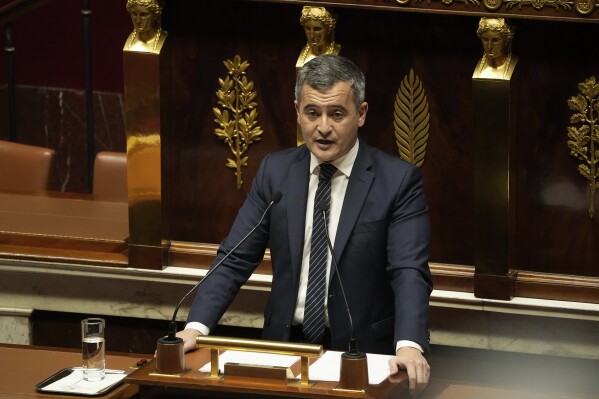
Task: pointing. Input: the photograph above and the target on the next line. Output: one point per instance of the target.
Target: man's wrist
(406, 343)
(201, 328)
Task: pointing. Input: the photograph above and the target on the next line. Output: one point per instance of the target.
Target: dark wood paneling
(384, 45)
(442, 50)
(204, 190)
(558, 286)
(553, 232)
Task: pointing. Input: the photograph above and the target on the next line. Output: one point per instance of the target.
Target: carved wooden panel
(551, 233)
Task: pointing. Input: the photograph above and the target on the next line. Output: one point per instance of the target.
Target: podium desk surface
(22, 367)
(194, 383)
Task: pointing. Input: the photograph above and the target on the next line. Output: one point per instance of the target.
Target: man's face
(316, 33)
(142, 19)
(493, 44)
(329, 120)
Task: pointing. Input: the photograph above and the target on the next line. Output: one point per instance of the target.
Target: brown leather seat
(110, 176)
(25, 167)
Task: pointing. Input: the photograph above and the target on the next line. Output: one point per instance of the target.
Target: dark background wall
(553, 233)
(49, 74)
(49, 45)
(549, 196)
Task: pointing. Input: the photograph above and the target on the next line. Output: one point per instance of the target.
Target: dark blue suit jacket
(381, 246)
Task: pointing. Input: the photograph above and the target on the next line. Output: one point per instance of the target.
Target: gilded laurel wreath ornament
(411, 120)
(237, 116)
(583, 137)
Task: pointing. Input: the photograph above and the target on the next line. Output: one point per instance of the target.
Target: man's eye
(337, 115)
(312, 114)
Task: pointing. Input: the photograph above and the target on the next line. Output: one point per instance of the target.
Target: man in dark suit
(377, 221)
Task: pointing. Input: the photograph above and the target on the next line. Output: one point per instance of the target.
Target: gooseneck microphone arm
(172, 330)
(353, 347)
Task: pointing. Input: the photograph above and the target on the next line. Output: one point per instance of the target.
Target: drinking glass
(93, 349)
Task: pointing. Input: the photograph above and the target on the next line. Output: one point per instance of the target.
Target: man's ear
(297, 111)
(362, 111)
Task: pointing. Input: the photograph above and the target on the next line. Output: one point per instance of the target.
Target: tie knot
(326, 171)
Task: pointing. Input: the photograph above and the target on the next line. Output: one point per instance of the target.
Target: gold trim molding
(583, 7)
(540, 4)
(411, 119)
(583, 140)
(237, 117)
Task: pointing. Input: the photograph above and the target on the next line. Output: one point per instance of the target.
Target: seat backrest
(110, 176)
(25, 167)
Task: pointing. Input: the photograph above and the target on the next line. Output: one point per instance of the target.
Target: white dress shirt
(339, 182)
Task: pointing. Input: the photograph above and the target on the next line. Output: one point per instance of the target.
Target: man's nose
(324, 126)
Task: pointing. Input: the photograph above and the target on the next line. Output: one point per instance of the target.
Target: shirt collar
(343, 164)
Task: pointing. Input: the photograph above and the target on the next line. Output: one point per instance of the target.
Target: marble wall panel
(15, 326)
(57, 118)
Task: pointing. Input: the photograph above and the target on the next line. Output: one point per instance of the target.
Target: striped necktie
(314, 321)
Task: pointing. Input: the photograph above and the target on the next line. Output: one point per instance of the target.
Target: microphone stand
(354, 364)
(170, 356)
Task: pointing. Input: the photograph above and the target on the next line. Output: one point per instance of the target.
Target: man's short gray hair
(324, 71)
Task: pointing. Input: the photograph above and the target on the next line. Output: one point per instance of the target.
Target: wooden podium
(196, 384)
(22, 367)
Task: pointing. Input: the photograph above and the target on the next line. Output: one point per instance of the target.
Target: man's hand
(415, 364)
(189, 338)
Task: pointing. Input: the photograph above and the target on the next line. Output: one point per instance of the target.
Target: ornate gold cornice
(583, 7)
(237, 117)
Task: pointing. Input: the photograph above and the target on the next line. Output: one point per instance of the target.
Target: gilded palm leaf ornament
(411, 120)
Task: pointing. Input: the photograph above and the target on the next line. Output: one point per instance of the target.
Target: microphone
(354, 366)
(171, 338)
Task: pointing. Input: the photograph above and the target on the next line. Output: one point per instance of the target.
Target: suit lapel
(299, 175)
(357, 190)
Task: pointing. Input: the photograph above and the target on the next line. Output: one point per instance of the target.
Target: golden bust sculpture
(147, 35)
(497, 62)
(319, 26)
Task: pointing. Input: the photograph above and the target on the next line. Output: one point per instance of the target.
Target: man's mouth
(324, 144)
